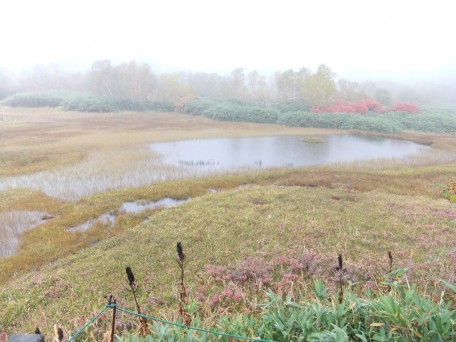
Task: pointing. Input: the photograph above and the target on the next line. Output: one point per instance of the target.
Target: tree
(291, 86)
(235, 85)
(258, 87)
(173, 87)
(101, 78)
(205, 85)
(129, 80)
(350, 91)
(320, 87)
(383, 96)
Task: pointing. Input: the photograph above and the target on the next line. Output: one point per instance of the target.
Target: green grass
(402, 314)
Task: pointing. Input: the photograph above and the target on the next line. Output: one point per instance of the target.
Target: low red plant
(405, 107)
(359, 107)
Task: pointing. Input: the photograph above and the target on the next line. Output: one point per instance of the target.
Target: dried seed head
(390, 257)
(340, 267)
(131, 277)
(37, 331)
(60, 334)
(180, 252)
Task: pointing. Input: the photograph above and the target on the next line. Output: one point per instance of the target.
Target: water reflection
(279, 151)
(109, 219)
(14, 224)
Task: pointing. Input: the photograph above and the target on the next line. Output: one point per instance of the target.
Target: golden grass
(46, 138)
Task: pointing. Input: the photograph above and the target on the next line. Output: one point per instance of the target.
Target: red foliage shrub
(405, 107)
(373, 105)
(360, 107)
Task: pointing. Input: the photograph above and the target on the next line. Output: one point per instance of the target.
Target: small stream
(109, 219)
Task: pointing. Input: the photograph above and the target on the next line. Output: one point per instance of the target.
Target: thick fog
(405, 42)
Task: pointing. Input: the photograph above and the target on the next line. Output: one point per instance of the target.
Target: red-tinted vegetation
(358, 107)
(405, 107)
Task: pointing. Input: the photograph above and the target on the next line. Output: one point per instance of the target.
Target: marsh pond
(280, 151)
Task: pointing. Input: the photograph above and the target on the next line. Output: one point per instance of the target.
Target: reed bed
(101, 172)
(137, 167)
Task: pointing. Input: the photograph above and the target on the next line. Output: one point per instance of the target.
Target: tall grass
(100, 172)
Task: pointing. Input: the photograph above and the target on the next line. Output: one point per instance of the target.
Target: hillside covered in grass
(281, 236)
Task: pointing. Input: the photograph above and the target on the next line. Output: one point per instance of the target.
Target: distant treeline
(138, 82)
(295, 98)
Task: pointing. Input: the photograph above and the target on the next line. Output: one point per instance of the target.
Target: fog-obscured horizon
(405, 47)
(425, 87)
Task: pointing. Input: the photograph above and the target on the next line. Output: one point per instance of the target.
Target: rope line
(192, 328)
(110, 306)
(89, 322)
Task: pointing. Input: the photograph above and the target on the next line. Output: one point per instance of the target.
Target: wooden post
(112, 301)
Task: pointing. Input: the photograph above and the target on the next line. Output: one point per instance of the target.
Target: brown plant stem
(144, 328)
(183, 312)
(340, 268)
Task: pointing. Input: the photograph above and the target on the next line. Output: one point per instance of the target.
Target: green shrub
(297, 114)
(231, 110)
(400, 315)
(83, 102)
(39, 99)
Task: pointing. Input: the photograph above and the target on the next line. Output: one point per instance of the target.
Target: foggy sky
(387, 38)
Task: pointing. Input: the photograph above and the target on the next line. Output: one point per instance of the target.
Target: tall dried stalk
(390, 264)
(340, 269)
(390, 261)
(185, 315)
(58, 334)
(144, 327)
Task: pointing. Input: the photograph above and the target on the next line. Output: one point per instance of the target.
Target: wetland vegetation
(169, 194)
(244, 232)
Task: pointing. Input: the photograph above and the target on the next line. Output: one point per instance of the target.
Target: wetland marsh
(360, 208)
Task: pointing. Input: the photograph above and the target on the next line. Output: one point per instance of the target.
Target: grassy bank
(233, 239)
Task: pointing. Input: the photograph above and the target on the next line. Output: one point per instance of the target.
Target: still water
(280, 151)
